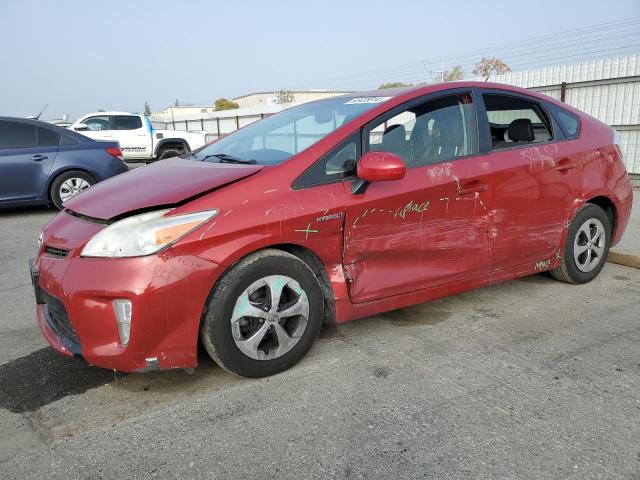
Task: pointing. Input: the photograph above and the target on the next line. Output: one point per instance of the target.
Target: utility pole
(441, 71)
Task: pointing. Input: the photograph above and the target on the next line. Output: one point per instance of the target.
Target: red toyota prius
(326, 212)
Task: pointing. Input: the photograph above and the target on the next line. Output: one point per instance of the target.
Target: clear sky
(80, 56)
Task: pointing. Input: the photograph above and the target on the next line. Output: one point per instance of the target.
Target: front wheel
(586, 247)
(67, 185)
(264, 314)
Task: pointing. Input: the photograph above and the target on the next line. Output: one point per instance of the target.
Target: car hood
(164, 183)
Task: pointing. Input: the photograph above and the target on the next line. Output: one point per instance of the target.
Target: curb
(625, 259)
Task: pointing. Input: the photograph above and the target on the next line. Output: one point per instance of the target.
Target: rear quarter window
(569, 123)
(47, 138)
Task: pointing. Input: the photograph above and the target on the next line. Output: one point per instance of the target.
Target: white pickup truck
(138, 139)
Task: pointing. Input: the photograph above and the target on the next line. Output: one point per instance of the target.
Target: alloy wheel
(589, 245)
(270, 317)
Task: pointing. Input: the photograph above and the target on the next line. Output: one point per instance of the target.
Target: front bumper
(168, 292)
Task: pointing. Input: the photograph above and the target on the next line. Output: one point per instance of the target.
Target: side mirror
(381, 167)
(81, 127)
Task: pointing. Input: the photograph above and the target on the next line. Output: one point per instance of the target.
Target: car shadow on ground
(6, 212)
(44, 376)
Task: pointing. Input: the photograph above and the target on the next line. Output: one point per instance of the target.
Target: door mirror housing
(381, 167)
(81, 127)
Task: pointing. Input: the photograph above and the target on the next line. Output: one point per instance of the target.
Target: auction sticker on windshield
(367, 100)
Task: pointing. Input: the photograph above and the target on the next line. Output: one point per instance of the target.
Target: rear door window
(127, 122)
(515, 122)
(18, 135)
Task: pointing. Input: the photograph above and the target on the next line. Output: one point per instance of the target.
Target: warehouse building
(608, 90)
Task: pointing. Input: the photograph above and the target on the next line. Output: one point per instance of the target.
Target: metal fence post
(563, 91)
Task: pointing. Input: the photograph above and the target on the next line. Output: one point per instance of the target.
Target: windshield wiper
(225, 158)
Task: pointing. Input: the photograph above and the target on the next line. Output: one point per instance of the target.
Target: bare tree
(455, 74)
(488, 65)
(285, 96)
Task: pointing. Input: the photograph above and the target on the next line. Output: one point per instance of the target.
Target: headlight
(143, 234)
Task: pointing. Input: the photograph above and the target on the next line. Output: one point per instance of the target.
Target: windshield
(280, 136)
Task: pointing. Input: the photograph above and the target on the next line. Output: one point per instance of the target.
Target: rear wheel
(67, 185)
(169, 153)
(586, 247)
(264, 314)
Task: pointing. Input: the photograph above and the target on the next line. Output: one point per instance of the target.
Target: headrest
(521, 130)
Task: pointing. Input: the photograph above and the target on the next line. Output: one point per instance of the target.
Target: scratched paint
(542, 265)
(412, 207)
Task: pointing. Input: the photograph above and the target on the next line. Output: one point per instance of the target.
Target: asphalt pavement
(526, 379)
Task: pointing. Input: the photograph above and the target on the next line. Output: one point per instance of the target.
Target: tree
(177, 103)
(488, 65)
(285, 96)
(225, 104)
(456, 74)
(394, 85)
(147, 109)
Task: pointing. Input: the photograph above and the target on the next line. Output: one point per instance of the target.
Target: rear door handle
(39, 158)
(472, 187)
(565, 165)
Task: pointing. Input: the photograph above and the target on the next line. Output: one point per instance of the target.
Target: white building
(258, 99)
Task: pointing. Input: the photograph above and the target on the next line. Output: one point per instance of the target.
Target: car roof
(61, 130)
(110, 112)
(435, 87)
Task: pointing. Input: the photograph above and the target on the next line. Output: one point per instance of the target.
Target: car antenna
(37, 117)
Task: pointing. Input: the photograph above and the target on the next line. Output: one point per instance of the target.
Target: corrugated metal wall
(608, 90)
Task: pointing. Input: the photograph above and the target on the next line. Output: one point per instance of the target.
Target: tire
(276, 342)
(67, 185)
(578, 266)
(169, 153)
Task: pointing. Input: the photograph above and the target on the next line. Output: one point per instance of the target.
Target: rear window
(17, 135)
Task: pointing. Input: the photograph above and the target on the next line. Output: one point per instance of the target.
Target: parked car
(326, 212)
(137, 137)
(41, 163)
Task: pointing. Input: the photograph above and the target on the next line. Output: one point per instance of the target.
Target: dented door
(418, 232)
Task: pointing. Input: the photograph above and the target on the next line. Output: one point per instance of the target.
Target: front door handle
(39, 158)
(472, 187)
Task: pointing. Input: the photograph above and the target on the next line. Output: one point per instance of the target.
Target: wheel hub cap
(72, 187)
(589, 245)
(269, 317)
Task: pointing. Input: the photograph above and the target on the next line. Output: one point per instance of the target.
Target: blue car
(42, 163)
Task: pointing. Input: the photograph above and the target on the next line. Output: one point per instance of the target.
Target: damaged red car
(326, 212)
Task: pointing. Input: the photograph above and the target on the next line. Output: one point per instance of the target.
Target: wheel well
(610, 209)
(53, 178)
(177, 144)
(316, 264)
